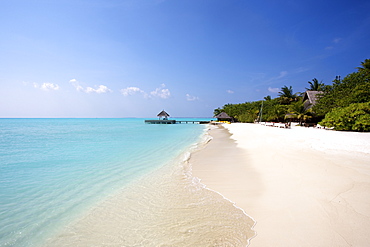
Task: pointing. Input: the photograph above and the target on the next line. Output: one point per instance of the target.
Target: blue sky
(133, 58)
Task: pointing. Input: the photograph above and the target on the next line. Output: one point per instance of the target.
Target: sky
(134, 58)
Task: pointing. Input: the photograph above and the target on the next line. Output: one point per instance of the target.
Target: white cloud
(46, 86)
(161, 92)
(274, 90)
(191, 98)
(336, 40)
(301, 69)
(131, 91)
(282, 74)
(76, 84)
(229, 91)
(99, 89)
(49, 86)
(273, 79)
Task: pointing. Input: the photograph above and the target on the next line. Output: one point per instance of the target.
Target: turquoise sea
(105, 182)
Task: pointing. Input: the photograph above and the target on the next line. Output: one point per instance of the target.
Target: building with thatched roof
(310, 98)
(164, 115)
(223, 117)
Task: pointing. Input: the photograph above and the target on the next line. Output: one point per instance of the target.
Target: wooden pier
(193, 122)
(163, 119)
(160, 121)
(175, 122)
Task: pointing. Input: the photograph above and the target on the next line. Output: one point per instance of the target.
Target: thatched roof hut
(310, 98)
(223, 117)
(163, 115)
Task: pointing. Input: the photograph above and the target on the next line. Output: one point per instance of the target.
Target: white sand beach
(303, 186)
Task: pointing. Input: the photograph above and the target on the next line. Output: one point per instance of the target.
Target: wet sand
(303, 187)
(166, 207)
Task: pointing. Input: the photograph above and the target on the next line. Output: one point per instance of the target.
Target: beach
(302, 186)
(116, 182)
(155, 200)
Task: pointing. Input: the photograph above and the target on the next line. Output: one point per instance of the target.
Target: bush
(355, 117)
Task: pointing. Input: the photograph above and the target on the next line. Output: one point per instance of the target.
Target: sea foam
(168, 207)
(118, 182)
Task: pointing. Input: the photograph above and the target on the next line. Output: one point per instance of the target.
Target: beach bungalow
(224, 117)
(310, 99)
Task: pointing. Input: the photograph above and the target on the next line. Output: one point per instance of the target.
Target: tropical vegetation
(344, 105)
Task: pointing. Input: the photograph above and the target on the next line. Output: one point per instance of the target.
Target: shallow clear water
(84, 182)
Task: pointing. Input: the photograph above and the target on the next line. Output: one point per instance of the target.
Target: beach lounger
(280, 125)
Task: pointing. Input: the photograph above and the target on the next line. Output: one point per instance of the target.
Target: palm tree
(286, 95)
(277, 112)
(217, 111)
(365, 66)
(315, 85)
(298, 110)
(267, 98)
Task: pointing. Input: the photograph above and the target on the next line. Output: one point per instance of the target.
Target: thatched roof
(310, 98)
(163, 114)
(223, 115)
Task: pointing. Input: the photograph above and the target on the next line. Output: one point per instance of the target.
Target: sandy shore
(304, 187)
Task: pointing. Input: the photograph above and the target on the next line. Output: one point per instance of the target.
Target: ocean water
(109, 182)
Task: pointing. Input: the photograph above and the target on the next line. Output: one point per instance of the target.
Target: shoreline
(303, 187)
(166, 207)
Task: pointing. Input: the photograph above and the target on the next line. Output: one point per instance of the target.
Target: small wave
(168, 207)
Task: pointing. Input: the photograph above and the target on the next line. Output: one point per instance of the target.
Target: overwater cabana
(163, 115)
(162, 119)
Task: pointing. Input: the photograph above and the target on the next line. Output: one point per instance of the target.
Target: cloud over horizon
(99, 89)
(47, 86)
(160, 92)
(131, 91)
(191, 98)
(273, 89)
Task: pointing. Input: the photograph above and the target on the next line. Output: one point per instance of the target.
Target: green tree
(300, 112)
(217, 111)
(315, 85)
(344, 104)
(365, 66)
(249, 116)
(276, 113)
(287, 96)
(354, 88)
(267, 98)
(243, 112)
(269, 110)
(355, 117)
